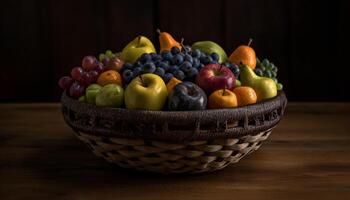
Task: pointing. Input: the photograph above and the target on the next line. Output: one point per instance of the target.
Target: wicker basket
(173, 142)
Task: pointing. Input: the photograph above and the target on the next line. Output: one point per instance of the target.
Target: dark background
(42, 40)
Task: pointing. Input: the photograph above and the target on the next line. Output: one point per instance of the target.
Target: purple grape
(93, 76)
(100, 68)
(89, 63)
(76, 90)
(85, 79)
(76, 73)
(65, 82)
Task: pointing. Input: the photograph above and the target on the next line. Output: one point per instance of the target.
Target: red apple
(214, 77)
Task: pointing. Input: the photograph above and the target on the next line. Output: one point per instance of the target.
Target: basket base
(165, 157)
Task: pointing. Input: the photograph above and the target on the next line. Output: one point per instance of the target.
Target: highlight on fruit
(177, 77)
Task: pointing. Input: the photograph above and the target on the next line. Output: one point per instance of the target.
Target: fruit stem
(250, 41)
(182, 44)
(142, 82)
(158, 31)
(223, 93)
(138, 41)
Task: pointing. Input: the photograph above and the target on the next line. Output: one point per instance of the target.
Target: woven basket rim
(122, 118)
(280, 98)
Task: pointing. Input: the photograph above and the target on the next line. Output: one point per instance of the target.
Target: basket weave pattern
(173, 142)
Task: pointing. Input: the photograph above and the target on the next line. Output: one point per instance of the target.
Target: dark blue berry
(175, 50)
(196, 63)
(186, 66)
(167, 77)
(148, 68)
(192, 73)
(215, 56)
(128, 75)
(177, 59)
(173, 68)
(137, 71)
(145, 58)
(164, 65)
(179, 74)
(157, 57)
(159, 71)
(188, 58)
(206, 60)
(166, 55)
(127, 66)
(153, 55)
(196, 53)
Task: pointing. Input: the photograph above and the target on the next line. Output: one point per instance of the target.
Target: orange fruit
(108, 77)
(222, 99)
(172, 83)
(245, 95)
(244, 54)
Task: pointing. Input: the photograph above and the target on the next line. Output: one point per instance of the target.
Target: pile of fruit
(179, 77)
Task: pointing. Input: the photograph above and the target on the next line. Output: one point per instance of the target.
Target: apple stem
(143, 84)
(138, 41)
(158, 31)
(250, 41)
(223, 93)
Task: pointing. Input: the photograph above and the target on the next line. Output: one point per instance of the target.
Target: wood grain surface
(306, 157)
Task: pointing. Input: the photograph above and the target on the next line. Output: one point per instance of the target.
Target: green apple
(91, 93)
(111, 95)
(147, 92)
(210, 47)
(136, 48)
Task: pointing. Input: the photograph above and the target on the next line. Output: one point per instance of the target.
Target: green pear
(91, 92)
(264, 87)
(111, 95)
(136, 48)
(210, 47)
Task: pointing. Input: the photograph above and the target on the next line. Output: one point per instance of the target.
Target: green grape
(268, 74)
(109, 54)
(262, 68)
(257, 61)
(265, 62)
(274, 74)
(101, 57)
(274, 79)
(279, 86)
(82, 99)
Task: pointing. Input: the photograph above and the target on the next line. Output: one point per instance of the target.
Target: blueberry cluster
(183, 65)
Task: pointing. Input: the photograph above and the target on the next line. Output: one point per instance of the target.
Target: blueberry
(128, 75)
(159, 71)
(215, 56)
(164, 65)
(137, 64)
(188, 58)
(192, 73)
(196, 63)
(235, 70)
(157, 63)
(148, 68)
(206, 60)
(186, 66)
(179, 74)
(166, 55)
(157, 57)
(145, 58)
(127, 66)
(137, 71)
(175, 50)
(153, 55)
(177, 59)
(173, 68)
(196, 53)
(167, 77)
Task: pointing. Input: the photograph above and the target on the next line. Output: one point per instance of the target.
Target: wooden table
(306, 157)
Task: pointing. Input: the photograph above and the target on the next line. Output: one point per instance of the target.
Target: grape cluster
(81, 77)
(234, 68)
(183, 65)
(266, 68)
